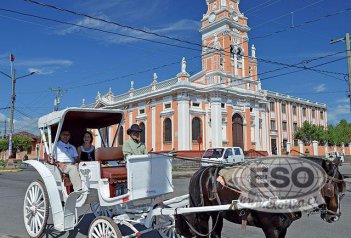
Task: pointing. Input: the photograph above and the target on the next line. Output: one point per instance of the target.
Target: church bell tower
(225, 51)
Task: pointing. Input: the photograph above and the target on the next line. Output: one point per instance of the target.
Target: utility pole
(13, 98)
(58, 96)
(5, 131)
(348, 54)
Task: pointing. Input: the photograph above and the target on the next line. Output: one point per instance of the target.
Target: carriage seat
(113, 174)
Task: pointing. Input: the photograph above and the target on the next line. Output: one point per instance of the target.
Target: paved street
(13, 186)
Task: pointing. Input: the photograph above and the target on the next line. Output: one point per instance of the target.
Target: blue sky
(70, 57)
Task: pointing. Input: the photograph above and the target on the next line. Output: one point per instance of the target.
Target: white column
(350, 148)
(216, 121)
(130, 118)
(153, 129)
(288, 147)
(236, 64)
(265, 132)
(172, 131)
(301, 147)
(343, 148)
(257, 130)
(278, 122)
(183, 122)
(326, 148)
(203, 132)
(208, 126)
(315, 147)
(243, 66)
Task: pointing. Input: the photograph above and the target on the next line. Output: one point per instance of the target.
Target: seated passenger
(86, 151)
(133, 146)
(67, 157)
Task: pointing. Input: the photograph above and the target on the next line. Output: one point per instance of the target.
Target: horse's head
(332, 192)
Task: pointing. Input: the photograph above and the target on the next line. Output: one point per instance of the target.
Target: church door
(238, 131)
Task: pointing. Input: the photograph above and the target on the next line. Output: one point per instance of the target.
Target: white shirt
(65, 153)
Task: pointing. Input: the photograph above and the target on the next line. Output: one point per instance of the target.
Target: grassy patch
(9, 170)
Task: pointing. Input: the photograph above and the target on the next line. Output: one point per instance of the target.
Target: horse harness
(213, 195)
(328, 190)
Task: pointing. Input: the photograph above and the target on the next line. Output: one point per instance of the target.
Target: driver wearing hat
(133, 146)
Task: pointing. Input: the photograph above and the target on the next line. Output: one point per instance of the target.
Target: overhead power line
(302, 24)
(306, 61)
(23, 113)
(96, 29)
(269, 77)
(174, 38)
(91, 28)
(110, 22)
(289, 13)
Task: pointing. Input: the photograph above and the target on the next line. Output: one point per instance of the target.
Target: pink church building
(223, 104)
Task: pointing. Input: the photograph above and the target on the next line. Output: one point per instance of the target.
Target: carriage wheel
(36, 209)
(100, 211)
(167, 226)
(104, 227)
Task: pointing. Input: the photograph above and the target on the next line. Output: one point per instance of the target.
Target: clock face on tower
(212, 17)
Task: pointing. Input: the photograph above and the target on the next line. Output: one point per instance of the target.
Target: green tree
(4, 144)
(21, 143)
(309, 132)
(342, 133)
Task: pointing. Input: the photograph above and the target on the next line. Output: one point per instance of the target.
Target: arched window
(196, 128)
(142, 134)
(120, 136)
(167, 130)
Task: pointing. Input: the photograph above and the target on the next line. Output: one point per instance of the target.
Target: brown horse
(274, 225)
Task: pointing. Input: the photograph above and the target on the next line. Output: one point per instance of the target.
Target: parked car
(222, 155)
(334, 154)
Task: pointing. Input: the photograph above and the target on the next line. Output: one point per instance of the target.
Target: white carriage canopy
(78, 120)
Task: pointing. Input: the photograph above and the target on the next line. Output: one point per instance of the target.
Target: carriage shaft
(236, 205)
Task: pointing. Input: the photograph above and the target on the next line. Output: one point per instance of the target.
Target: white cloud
(184, 25)
(86, 22)
(320, 88)
(121, 9)
(20, 124)
(338, 113)
(43, 71)
(40, 62)
(2, 117)
(343, 100)
(44, 66)
(172, 28)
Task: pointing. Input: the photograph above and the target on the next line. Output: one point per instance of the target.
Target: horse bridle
(331, 186)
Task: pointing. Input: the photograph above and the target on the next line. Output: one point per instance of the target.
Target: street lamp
(13, 98)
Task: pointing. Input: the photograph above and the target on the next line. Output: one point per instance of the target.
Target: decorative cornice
(224, 21)
(141, 117)
(288, 98)
(168, 112)
(197, 111)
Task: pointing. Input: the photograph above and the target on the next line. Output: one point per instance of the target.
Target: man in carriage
(134, 146)
(67, 157)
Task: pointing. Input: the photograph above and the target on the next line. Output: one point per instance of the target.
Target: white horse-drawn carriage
(148, 179)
